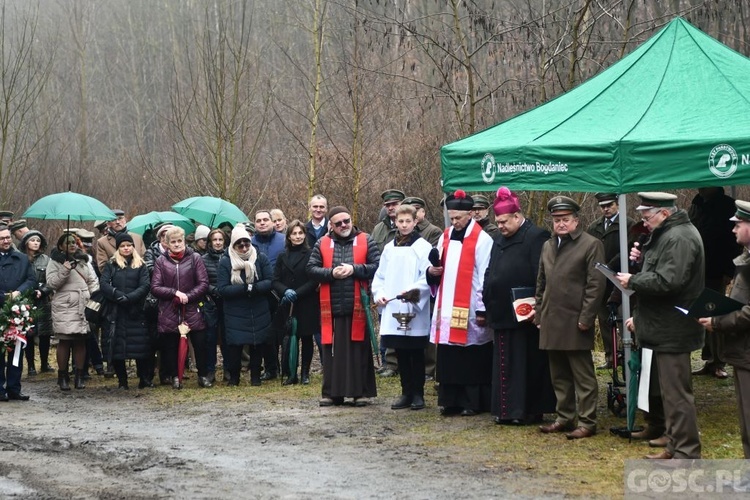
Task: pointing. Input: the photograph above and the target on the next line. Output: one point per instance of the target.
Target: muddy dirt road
(240, 442)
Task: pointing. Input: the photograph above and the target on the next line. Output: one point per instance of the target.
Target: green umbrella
(141, 223)
(69, 206)
(291, 331)
(210, 211)
(370, 325)
(634, 363)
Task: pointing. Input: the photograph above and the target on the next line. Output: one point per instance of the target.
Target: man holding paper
(732, 331)
(521, 387)
(16, 277)
(671, 276)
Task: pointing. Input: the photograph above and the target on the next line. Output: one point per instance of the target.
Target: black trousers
(411, 371)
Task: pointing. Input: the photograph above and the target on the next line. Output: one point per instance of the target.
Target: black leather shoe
(305, 379)
(468, 412)
(290, 381)
(255, 382)
(204, 382)
(18, 396)
(402, 402)
(417, 403)
(145, 383)
(31, 372)
(4, 397)
(268, 376)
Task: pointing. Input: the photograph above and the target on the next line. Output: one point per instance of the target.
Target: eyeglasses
(646, 219)
(344, 222)
(242, 244)
(4, 238)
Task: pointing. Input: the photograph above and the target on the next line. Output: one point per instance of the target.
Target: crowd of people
(501, 315)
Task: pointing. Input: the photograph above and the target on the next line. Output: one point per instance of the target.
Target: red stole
(359, 321)
(463, 284)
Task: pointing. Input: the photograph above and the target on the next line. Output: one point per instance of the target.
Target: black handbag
(96, 308)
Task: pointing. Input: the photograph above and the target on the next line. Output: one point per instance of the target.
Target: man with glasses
(105, 246)
(16, 277)
(343, 262)
(607, 229)
(672, 262)
(569, 291)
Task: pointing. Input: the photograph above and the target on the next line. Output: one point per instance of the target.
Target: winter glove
(290, 295)
(122, 299)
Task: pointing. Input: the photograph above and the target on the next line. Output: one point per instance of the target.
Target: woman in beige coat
(73, 280)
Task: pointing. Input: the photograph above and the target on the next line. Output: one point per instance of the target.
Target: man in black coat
(710, 212)
(16, 277)
(521, 387)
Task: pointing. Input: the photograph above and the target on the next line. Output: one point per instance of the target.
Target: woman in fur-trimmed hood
(73, 280)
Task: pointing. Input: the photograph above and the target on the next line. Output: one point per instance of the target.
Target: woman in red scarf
(180, 282)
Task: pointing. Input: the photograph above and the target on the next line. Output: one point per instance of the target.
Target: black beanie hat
(122, 237)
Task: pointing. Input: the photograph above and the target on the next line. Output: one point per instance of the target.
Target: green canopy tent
(675, 113)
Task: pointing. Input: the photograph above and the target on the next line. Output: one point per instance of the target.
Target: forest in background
(145, 102)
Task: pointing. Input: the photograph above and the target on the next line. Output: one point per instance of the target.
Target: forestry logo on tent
(488, 168)
(722, 162)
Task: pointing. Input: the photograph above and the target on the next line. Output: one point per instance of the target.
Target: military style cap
(605, 198)
(743, 211)
(459, 201)
(392, 195)
(16, 225)
(72, 230)
(481, 201)
(99, 223)
(655, 199)
(562, 205)
(85, 234)
(118, 213)
(6, 214)
(413, 200)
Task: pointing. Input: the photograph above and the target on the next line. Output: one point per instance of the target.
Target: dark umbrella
(370, 324)
(291, 331)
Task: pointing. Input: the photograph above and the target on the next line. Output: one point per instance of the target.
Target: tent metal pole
(627, 339)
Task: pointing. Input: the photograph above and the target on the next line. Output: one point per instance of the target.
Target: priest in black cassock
(521, 386)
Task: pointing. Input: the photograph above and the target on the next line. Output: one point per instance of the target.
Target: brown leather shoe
(664, 455)
(555, 427)
(660, 442)
(580, 433)
(646, 433)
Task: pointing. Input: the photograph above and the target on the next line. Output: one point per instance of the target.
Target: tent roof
(675, 113)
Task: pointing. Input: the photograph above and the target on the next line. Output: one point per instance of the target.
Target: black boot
(79, 382)
(46, 368)
(305, 373)
(63, 380)
(31, 369)
(290, 380)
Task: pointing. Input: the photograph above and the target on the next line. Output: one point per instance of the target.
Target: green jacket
(671, 275)
(733, 330)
